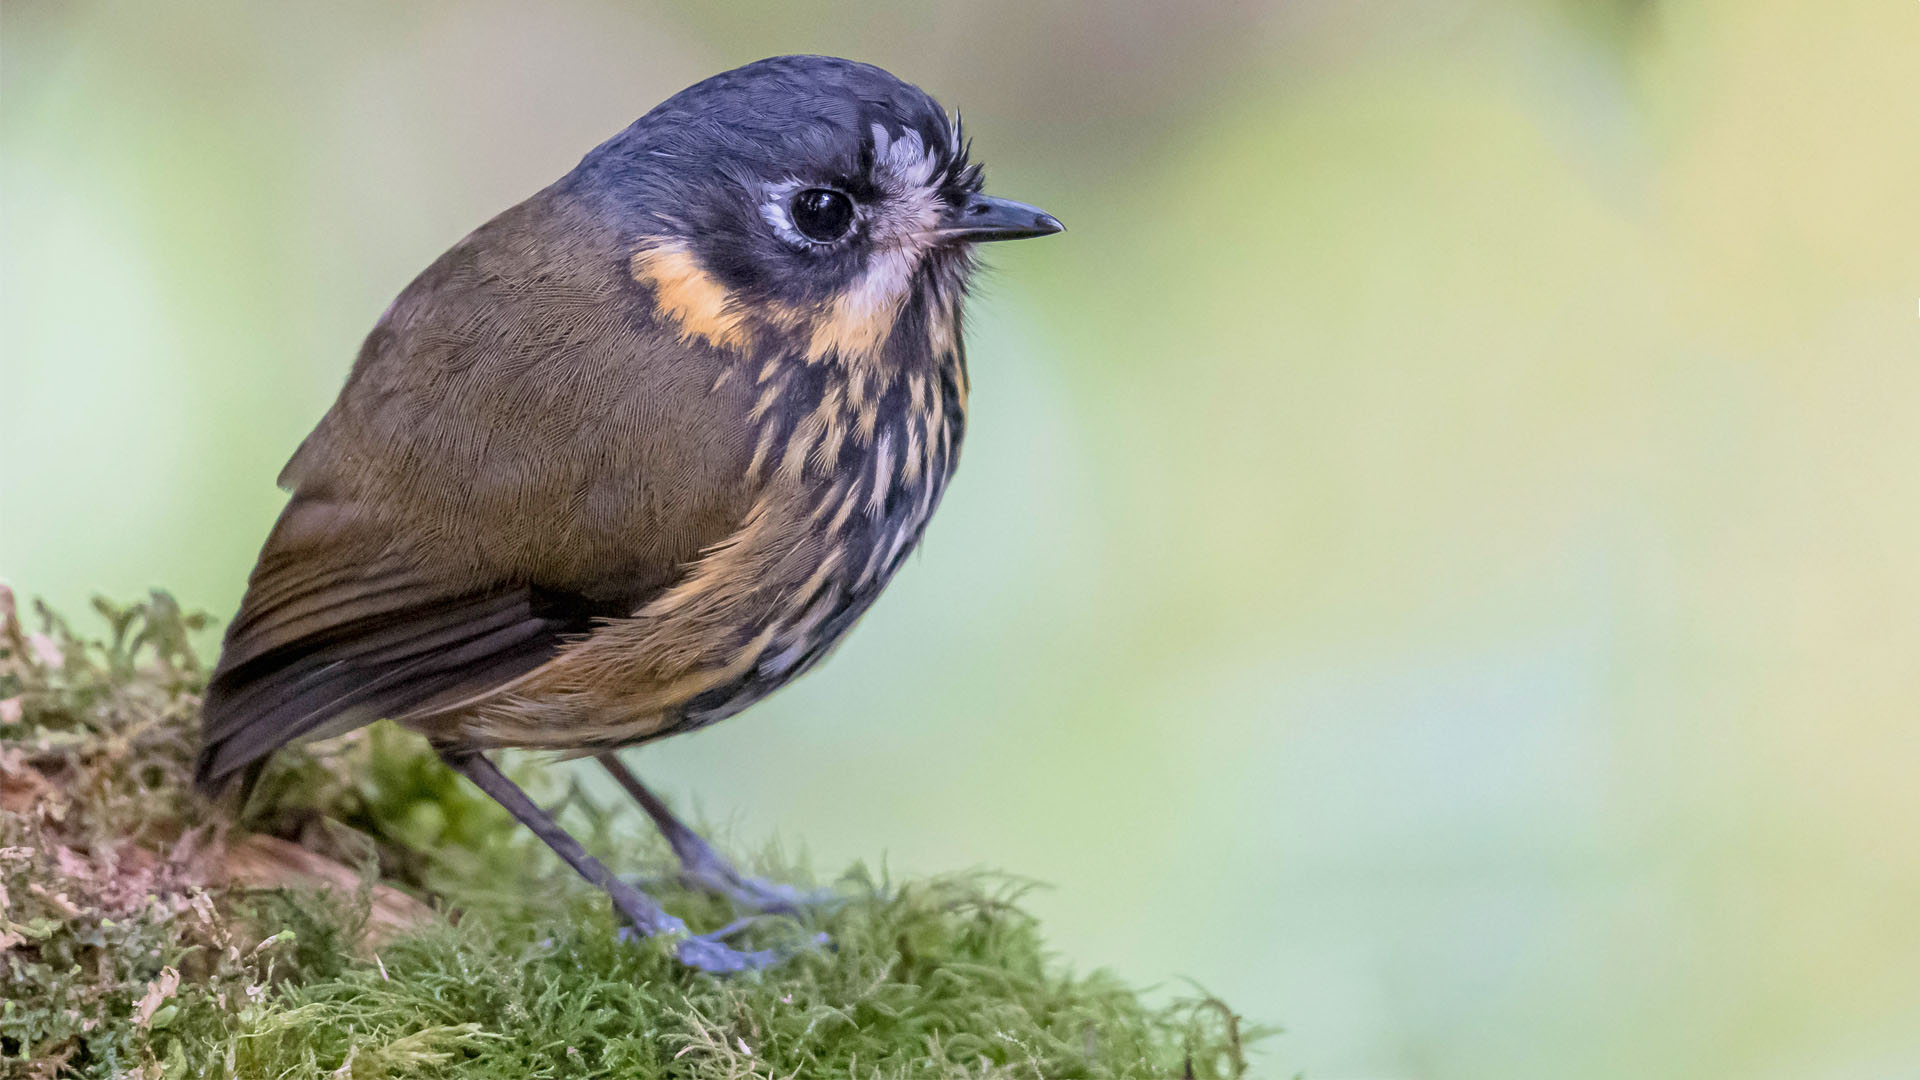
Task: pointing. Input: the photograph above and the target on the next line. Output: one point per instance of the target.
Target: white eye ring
(776, 201)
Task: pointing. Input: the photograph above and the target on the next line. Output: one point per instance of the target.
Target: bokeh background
(1438, 553)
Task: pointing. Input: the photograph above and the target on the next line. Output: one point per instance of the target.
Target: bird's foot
(753, 893)
(709, 952)
(704, 954)
(704, 869)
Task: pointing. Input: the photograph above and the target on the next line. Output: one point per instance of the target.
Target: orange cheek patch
(700, 306)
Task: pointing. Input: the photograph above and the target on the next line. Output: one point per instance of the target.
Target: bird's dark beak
(985, 218)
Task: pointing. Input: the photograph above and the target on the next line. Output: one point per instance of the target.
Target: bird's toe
(705, 954)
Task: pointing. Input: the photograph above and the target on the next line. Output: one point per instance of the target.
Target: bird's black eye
(822, 214)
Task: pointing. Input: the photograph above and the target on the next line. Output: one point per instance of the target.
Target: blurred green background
(1438, 553)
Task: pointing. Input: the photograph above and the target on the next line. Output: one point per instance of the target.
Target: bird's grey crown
(776, 116)
(699, 167)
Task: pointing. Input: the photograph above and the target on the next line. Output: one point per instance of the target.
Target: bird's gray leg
(702, 866)
(646, 915)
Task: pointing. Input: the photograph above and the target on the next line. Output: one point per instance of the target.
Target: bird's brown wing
(324, 645)
(518, 452)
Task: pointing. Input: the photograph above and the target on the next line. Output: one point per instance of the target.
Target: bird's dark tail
(344, 675)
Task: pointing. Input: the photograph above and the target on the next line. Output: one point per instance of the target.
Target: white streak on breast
(882, 474)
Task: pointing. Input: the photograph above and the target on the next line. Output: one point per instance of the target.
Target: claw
(707, 953)
(710, 956)
(732, 928)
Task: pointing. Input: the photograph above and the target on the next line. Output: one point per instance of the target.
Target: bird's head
(804, 197)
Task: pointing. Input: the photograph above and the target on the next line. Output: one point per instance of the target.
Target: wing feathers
(325, 692)
(316, 653)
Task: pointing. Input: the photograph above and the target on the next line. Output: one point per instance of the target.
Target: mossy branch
(377, 918)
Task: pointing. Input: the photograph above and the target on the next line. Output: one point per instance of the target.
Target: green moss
(123, 953)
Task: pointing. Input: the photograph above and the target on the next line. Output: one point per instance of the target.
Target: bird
(632, 455)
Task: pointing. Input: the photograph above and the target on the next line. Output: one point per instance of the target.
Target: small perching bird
(634, 454)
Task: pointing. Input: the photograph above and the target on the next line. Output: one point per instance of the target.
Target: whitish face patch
(899, 226)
